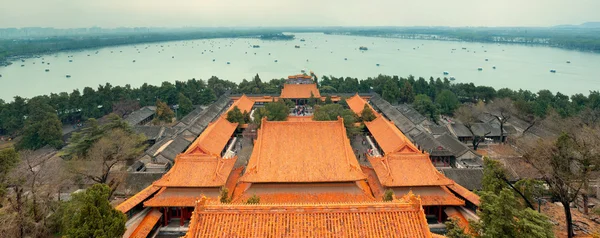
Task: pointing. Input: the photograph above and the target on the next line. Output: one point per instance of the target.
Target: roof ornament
(411, 198)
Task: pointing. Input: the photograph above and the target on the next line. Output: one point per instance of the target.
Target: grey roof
(471, 163)
(486, 129)
(461, 130)
(468, 178)
(177, 141)
(510, 130)
(140, 115)
(427, 142)
(401, 121)
(438, 130)
(452, 144)
(189, 118)
(413, 115)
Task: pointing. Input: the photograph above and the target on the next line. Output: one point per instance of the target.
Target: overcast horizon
(294, 13)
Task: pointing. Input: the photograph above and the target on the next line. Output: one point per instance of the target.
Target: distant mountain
(583, 25)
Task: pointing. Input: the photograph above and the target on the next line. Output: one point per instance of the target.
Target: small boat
(48, 63)
(464, 48)
(0, 75)
(22, 65)
(494, 67)
(70, 60)
(445, 72)
(377, 64)
(480, 69)
(297, 46)
(345, 58)
(275, 61)
(133, 61)
(269, 53)
(172, 57)
(256, 46)
(452, 78)
(302, 71)
(213, 60)
(568, 62)
(486, 59)
(23, 61)
(302, 40)
(88, 55)
(363, 48)
(47, 70)
(552, 71)
(228, 62)
(68, 76)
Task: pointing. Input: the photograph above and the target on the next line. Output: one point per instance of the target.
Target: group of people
(300, 110)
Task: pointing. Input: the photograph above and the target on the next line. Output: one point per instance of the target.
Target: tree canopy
(163, 113)
(331, 112)
(447, 101)
(367, 113)
(89, 214)
(42, 126)
(425, 106)
(236, 116)
(185, 106)
(273, 111)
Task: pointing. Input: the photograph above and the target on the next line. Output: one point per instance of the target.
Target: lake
(517, 66)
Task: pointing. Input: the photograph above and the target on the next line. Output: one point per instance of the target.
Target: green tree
(224, 195)
(453, 230)
(391, 92)
(407, 95)
(253, 200)
(163, 113)
(425, 106)
(8, 160)
(82, 141)
(89, 214)
(331, 112)
(328, 100)
(235, 116)
(273, 111)
(185, 105)
(367, 113)
(388, 195)
(42, 127)
(207, 96)
(501, 214)
(448, 102)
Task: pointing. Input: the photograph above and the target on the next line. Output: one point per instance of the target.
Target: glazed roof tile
(197, 171)
(465, 193)
(358, 191)
(315, 151)
(180, 197)
(146, 225)
(299, 118)
(214, 138)
(244, 103)
(299, 91)
(136, 199)
(400, 170)
(374, 219)
(357, 104)
(389, 137)
(432, 195)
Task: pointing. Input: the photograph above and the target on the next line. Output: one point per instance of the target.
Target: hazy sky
(180, 13)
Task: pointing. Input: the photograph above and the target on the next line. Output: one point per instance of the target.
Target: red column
(181, 216)
(440, 214)
(166, 214)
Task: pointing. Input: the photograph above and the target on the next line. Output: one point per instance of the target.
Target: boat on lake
(377, 64)
(47, 70)
(297, 46)
(255, 46)
(452, 78)
(445, 72)
(345, 58)
(363, 48)
(568, 62)
(228, 62)
(68, 76)
(494, 67)
(302, 40)
(480, 68)
(213, 60)
(70, 61)
(133, 61)
(275, 61)
(486, 60)
(553, 71)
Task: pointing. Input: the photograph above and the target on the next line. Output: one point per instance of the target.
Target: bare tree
(502, 110)
(469, 115)
(114, 150)
(567, 164)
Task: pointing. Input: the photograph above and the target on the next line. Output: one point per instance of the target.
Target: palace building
(307, 176)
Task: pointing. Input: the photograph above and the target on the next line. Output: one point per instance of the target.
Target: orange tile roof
(465, 193)
(136, 199)
(315, 151)
(461, 220)
(299, 118)
(197, 171)
(371, 219)
(214, 138)
(299, 91)
(307, 192)
(357, 104)
(389, 137)
(244, 103)
(402, 170)
(145, 227)
(432, 195)
(180, 197)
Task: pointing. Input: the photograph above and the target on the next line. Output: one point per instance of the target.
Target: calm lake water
(517, 66)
